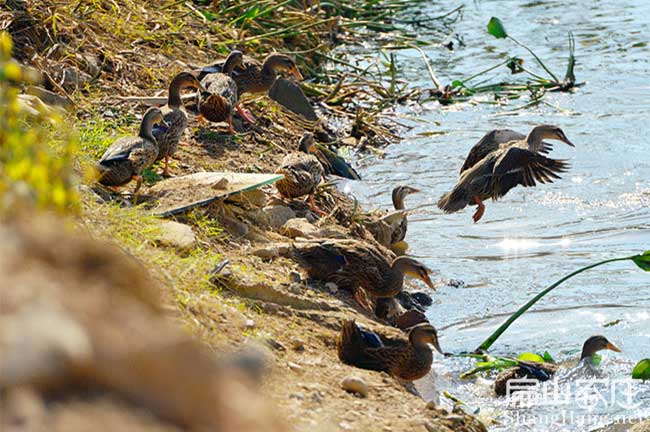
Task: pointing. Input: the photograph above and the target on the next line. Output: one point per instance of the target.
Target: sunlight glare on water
(534, 236)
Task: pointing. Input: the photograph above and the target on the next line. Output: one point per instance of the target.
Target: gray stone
(176, 235)
(274, 216)
(299, 227)
(354, 384)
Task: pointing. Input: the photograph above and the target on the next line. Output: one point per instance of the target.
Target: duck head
(234, 59)
(307, 143)
(180, 82)
(414, 268)
(595, 344)
(424, 333)
(275, 63)
(400, 193)
(551, 132)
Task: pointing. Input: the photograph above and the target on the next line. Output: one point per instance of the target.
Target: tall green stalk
(642, 260)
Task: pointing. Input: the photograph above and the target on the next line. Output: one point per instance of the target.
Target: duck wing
(489, 143)
(517, 166)
(121, 149)
(335, 164)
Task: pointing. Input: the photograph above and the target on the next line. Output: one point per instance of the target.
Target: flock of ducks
(500, 161)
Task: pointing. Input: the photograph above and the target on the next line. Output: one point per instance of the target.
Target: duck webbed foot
(231, 129)
(480, 210)
(313, 207)
(245, 114)
(410, 387)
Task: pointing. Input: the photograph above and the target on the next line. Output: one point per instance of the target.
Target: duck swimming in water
(544, 371)
(493, 168)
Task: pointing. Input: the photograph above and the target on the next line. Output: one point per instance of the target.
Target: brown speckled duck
(302, 174)
(175, 116)
(221, 95)
(503, 167)
(127, 157)
(407, 361)
(256, 77)
(544, 371)
(354, 264)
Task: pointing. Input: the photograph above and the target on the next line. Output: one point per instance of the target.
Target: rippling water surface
(600, 209)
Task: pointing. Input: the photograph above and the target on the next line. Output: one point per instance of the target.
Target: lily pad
(643, 260)
(496, 28)
(642, 370)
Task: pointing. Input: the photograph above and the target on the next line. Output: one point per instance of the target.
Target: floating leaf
(612, 323)
(531, 357)
(495, 28)
(642, 370)
(643, 260)
(457, 83)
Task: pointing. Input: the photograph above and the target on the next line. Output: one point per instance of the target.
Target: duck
(254, 76)
(398, 196)
(389, 228)
(175, 116)
(355, 264)
(544, 371)
(302, 173)
(405, 360)
(509, 164)
(220, 94)
(127, 157)
(332, 163)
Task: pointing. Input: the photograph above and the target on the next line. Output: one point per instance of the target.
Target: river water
(532, 237)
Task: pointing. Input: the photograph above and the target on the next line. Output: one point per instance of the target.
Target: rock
(294, 366)
(49, 97)
(354, 384)
(295, 288)
(252, 198)
(295, 277)
(346, 426)
(641, 427)
(176, 235)
(271, 252)
(299, 227)
(332, 287)
(250, 324)
(72, 78)
(274, 216)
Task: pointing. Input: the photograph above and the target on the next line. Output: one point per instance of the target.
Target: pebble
(250, 323)
(354, 384)
(294, 366)
(294, 276)
(345, 426)
(332, 287)
(176, 235)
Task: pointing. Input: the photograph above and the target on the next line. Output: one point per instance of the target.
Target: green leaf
(643, 260)
(457, 83)
(495, 28)
(531, 357)
(596, 359)
(548, 358)
(642, 370)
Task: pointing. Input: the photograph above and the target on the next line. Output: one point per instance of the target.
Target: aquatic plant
(641, 260)
(642, 370)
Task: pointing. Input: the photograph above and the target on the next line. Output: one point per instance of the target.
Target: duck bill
(163, 123)
(427, 280)
(610, 346)
(295, 72)
(436, 345)
(565, 140)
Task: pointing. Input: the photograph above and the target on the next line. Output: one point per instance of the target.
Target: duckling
(175, 116)
(221, 94)
(544, 371)
(127, 157)
(407, 361)
(510, 164)
(256, 77)
(302, 174)
(354, 264)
